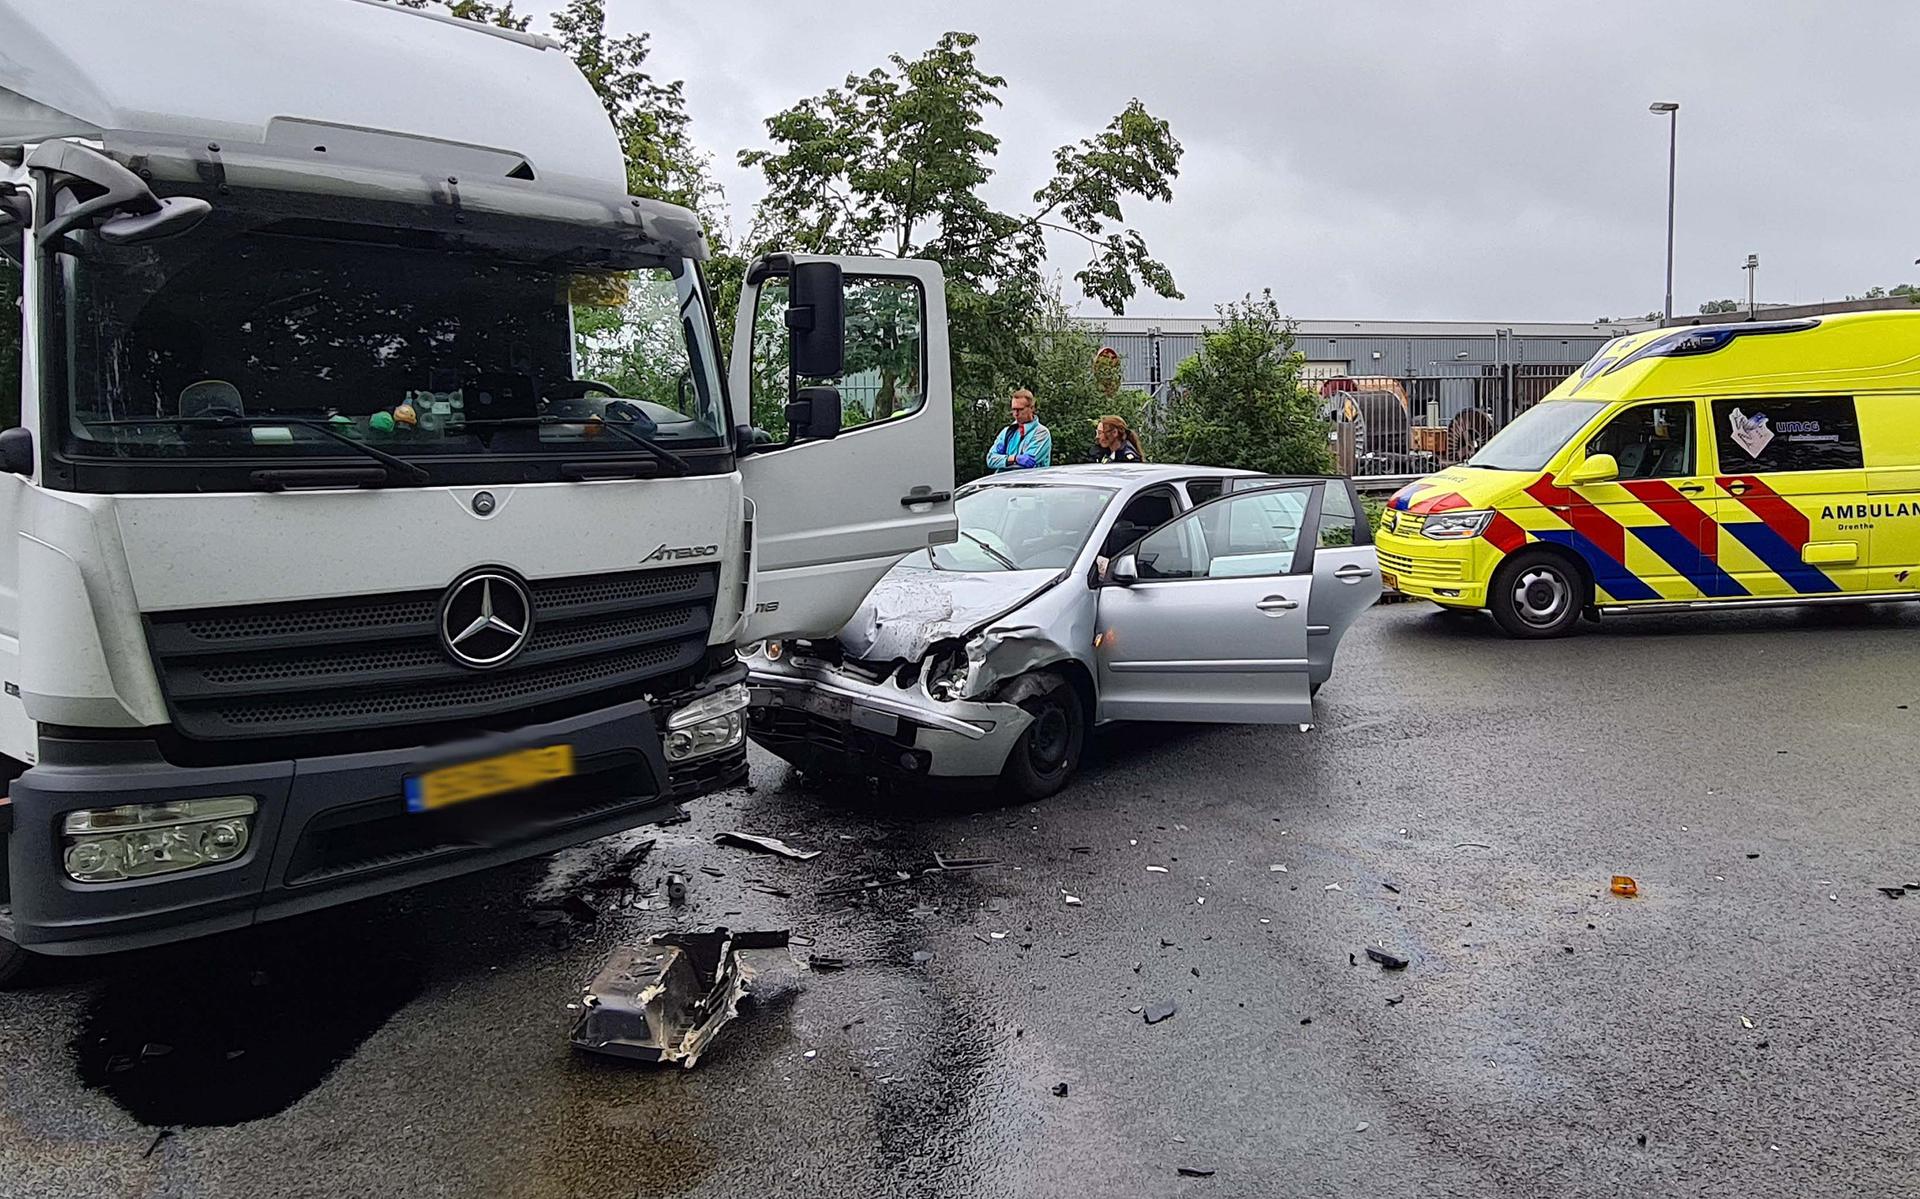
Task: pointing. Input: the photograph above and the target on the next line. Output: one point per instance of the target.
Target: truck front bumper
(327, 829)
(819, 718)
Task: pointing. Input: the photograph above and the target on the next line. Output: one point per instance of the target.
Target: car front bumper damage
(822, 718)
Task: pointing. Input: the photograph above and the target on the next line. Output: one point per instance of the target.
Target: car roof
(1118, 474)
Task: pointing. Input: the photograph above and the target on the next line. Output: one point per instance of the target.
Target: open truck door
(843, 399)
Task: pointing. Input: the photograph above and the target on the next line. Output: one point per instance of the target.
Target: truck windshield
(1535, 436)
(186, 348)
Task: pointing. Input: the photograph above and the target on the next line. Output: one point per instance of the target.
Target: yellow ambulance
(1756, 464)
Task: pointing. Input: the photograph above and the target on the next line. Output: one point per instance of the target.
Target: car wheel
(1048, 752)
(1537, 595)
(14, 963)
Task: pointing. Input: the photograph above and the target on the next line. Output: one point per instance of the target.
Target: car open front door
(1346, 569)
(1206, 617)
(833, 510)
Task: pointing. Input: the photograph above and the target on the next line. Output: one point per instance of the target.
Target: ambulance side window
(1764, 436)
(1650, 441)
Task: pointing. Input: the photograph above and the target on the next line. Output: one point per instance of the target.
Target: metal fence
(1412, 425)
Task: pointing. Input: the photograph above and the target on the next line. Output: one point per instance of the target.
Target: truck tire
(14, 964)
(1538, 594)
(1048, 752)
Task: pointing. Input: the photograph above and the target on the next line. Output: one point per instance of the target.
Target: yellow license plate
(489, 776)
(1389, 580)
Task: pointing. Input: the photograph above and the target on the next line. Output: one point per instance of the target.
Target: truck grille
(274, 670)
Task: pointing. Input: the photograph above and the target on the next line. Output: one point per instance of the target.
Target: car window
(1243, 536)
(1146, 511)
(1340, 525)
(883, 372)
(1763, 436)
(1201, 490)
(1649, 441)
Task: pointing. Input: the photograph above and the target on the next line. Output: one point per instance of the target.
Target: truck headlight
(707, 725)
(1455, 526)
(105, 845)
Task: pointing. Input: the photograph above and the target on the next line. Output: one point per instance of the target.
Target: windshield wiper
(995, 554)
(664, 456)
(395, 464)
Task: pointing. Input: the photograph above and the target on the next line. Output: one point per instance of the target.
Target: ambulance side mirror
(1600, 468)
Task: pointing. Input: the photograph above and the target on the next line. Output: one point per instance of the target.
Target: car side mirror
(1125, 571)
(816, 320)
(814, 414)
(16, 452)
(1599, 468)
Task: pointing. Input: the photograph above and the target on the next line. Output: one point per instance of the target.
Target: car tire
(1048, 751)
(15, 962)
(1537, 594)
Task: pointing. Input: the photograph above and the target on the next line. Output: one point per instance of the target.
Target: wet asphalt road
(1754, 773)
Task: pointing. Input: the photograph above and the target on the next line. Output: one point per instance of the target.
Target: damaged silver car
(1072, 597)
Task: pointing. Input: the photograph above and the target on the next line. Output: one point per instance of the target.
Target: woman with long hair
(1117, 443)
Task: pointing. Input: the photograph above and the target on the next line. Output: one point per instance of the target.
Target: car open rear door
(1346, 568)
(1206, 617)
(831, 515)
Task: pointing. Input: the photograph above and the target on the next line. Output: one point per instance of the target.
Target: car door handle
(1352, 573)
(925, 497)
(1274, 605)
(1691, 488)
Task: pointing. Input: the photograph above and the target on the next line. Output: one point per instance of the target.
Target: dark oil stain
(240, 1027)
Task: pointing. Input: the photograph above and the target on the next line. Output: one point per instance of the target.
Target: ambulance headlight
(1455, 526)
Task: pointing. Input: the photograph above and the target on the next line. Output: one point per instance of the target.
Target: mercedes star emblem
(485, 619)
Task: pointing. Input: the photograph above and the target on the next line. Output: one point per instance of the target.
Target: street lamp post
(1752, 268)
(1672, 111)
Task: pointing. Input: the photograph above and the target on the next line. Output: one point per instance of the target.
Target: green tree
(894, 163)
(1715, 307)
(9, 343)
(1239, 401)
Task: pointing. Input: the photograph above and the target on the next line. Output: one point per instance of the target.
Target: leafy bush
(1239, 401)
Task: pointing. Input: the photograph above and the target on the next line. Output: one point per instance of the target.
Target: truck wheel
(1537, 594)
(14, 964)
(1048, 752)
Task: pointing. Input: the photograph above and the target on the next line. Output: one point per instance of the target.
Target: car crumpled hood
(912, 607)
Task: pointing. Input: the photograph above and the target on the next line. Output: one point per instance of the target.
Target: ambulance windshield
(1536, 435)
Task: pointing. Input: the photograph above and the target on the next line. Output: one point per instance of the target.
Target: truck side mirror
(16, 452)
(814, 414)
(816, 321)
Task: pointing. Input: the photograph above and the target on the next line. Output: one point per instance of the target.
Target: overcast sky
(1390, 159)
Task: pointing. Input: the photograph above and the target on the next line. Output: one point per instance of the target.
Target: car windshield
(194, 346)
(1020, 527)
(1536, 435)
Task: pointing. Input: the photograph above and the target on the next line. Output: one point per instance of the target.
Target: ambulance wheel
(1538, 594)
(1048, 752)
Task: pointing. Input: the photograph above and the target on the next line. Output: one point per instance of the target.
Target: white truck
(323, 572)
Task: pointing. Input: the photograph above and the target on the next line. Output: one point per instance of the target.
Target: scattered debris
(713, 872)
(961, 865)
(1135, 1009)
(1393, 887)
(922, 956)
(1276, 868)
(1196, 1171)
(1892, 892)
(1745, 1022)
(825, 962)
(1194, 970)
(810, 1054)
(1306, 1020)
(550, 913)
(1396, 1000)
(676, 889)
(1360, 1127)
(768, 889)
(1761, 1044)
(1073, 901)
(619, 875)
(1624, 886)
(1752, 856)
(159, 1135)
(1472, 845)
(1060, 1089)
(1156, 870)
(666, 1001)
(1388, 959)
(760, 844)
(1333, 887)
(1155, 1013)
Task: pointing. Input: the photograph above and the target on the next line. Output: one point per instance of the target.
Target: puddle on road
(239, 1028)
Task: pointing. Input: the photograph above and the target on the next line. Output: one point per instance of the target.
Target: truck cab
(379, 507)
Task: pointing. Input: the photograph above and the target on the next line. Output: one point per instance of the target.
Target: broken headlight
(947, 671)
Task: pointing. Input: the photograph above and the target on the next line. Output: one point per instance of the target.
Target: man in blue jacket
(1025, 443)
